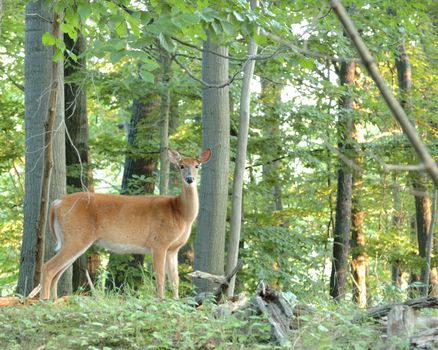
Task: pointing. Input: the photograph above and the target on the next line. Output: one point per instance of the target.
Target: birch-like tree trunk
(239, 170)
(38, 78)
(210, 235)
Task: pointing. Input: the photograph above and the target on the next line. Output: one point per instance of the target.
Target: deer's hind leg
(53, 269)
(172, 270)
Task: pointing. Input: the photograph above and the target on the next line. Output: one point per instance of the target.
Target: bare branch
(220, 86)
(395, 107)
(307, 52)
(395, 167)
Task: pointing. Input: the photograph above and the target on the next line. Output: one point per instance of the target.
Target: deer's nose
(190, 179)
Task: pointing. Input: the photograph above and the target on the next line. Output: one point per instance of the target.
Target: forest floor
(142, 322)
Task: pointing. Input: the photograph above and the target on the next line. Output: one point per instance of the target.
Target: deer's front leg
(159, 261)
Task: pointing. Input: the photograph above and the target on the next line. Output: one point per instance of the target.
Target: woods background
(333, 199)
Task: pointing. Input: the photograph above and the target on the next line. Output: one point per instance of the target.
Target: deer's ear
(204, 156)
(174, 156)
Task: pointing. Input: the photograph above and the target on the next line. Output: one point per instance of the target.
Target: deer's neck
(188, 203)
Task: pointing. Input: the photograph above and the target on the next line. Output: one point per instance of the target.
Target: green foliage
(110, 322)
(291, 148)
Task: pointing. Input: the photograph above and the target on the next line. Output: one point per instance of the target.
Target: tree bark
(1, 15)
(359, 263)
(164, 119)
(38, 77)
(341, 234)
(422, 203)
(239, 170)
(210, 235)
(79, 173)
(397, 222)
(49, 124)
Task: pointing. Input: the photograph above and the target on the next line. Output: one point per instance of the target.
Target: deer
(139, 224)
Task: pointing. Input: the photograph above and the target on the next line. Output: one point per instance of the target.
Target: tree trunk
(38, 77)
(210, 235)
(422, 203)
(339, 274)
(239, 170)
(79, 173)
(164, 119)
(1, 15)
(127, 269)
(359, 263)
(397, 222)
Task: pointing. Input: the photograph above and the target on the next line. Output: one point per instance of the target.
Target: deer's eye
(181, 166)
(197, 166)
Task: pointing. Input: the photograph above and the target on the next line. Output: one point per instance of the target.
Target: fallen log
(418, 303)
(281, 315)
(427, 339)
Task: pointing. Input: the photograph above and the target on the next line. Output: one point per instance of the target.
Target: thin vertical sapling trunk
(48, 161)
(239, 170)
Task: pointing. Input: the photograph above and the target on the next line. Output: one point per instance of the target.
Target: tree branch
(397, 111)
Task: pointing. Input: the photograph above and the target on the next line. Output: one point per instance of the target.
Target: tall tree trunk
(38, 78)
(79, 174)
(239, 170)
(127, 269)
(210, 235)
(397, 222)
(359, 263)
(164, 119)
(420, 180)
(341, 243)
(1, 15)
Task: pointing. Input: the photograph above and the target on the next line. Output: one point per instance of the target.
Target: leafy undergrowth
(128, 322)
(115, 322)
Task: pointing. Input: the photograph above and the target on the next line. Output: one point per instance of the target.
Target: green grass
(116, 322)
(129, 321)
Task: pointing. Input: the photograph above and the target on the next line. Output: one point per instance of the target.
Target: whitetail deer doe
(160, 225)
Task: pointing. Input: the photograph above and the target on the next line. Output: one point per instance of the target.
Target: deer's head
(189, 166)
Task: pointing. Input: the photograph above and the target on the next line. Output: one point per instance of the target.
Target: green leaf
(216, 27)
(238, 16)
(72, 56)
(70, 30)
(84, 10)
(116, 56)
(48, 39)
(185, 20)
(166, 42)
(58, 55)
(121, 28)
(227, 27)
(147, 76)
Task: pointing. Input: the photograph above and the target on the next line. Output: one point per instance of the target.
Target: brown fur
(129, 224)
